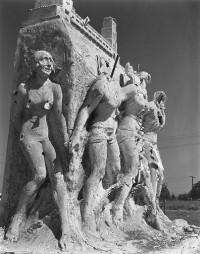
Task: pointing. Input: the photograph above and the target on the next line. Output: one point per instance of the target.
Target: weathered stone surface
(40, 3)
(44, 12)
(79, 57)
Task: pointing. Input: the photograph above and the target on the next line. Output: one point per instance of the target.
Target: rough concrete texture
(77, 62)
(39, 239)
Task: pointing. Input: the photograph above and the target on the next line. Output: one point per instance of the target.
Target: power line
(176, 181)
(180, 136)
(180, 179)
(191, 144)
(177, 177)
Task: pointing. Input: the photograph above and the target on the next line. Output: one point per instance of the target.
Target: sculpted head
(160, 97)
(104, 67)
(43, 63)
(131, 73)
(143, 75)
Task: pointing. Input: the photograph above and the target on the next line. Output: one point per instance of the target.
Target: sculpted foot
(118, 216)
(89, 219)
(12, 235)
(90, 224)
(64, 242)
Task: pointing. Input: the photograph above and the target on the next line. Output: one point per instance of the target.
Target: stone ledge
(44, 12)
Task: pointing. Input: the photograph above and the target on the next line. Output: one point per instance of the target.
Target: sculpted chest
(39, 98)
(111, 95)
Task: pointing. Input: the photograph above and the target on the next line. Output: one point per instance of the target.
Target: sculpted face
(146, 76)
(160, 97)
(43, 63)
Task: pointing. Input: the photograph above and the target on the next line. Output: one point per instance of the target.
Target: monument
(83, 173)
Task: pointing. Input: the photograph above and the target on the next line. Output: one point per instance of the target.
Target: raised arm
(128, 92)
(18, 100)
(161, 116)
(134, 79)
(57, 110)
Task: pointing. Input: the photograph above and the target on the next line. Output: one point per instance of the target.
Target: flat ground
(187, 210)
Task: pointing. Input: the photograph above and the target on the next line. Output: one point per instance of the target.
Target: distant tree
(195, 191)
(173, 197)
(165, 194)
(184, 196)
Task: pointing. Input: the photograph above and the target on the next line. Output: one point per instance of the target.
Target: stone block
(41, 3)
(44, 12)
(109, 22)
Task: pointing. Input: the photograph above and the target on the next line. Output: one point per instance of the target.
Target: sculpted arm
(18, 106)
(134, 79)
(92, 100)
(128, 91)
(162, 117)
(57, 110)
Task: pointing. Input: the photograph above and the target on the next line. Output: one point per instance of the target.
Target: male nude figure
(103, 98)
(153, 121)
(129, 139)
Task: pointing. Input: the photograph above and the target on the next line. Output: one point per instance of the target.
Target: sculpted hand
(129, 70)
(132, 74)
(74, 143)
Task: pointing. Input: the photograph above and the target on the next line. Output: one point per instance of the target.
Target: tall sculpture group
(122, 144)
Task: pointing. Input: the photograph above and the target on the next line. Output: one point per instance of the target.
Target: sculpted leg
(159, 187)
(98, 156)
(33, 153)
(113, 167)
(131, 159)
(60, 193)
(154, 181)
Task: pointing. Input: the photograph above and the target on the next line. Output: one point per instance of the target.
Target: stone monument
(78, 178)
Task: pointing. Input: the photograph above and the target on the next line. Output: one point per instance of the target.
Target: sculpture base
(42, 237)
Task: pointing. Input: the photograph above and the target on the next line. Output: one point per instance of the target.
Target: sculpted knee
(58, 178)
(101, 173)
(40, 176)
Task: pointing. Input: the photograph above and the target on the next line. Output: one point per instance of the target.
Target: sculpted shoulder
(56, 88)
(152, 106)
(22, 89)
(99, 85)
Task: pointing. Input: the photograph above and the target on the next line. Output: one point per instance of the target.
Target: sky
(163, 36)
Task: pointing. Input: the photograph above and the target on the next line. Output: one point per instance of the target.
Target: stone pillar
(109, 31)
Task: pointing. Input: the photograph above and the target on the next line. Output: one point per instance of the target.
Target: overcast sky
(163, 37)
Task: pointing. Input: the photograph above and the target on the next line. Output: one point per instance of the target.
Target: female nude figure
(103, 98)
(153, 121)
(129, 139)
(34, 100)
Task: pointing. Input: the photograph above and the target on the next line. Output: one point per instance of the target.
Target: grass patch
(186, 210)
(192, 217)
(192, 205)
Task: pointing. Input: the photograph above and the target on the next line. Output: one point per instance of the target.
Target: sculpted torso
(153, 121)
(110, 101)
(133, 106)
(36, 105)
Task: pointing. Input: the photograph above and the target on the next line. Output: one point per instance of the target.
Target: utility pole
(192, 180)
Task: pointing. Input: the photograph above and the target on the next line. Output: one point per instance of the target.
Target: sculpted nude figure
(129, 138)
(153, 121)
(34, 100)
(103, 98)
